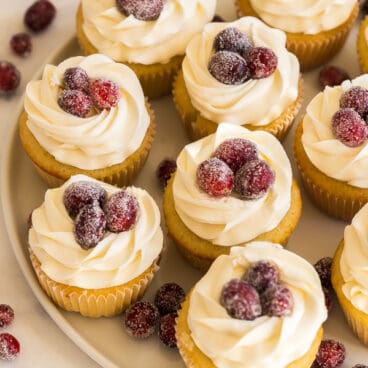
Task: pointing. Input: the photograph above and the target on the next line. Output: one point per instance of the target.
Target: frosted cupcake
(86, 116)
(213, 332)
(95, 247)
(149, 36)
(315, 30)
(241, 73)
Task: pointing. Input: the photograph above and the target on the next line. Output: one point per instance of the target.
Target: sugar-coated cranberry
(21, 44)
(228, 68)
(262, 275)
(323, 268)
(6, 315)
(328, 299)
(169, 297)
(9, 77)
(332, 76)
(141, 319)
(39, 15)
(166, 329)
(9, 347)
(141, 9)
(349, 128)
(330, 354)
(261, 61)
(231, 39)
(89, 226)
(236, 152)
(215, 177)
(217, 18)
(253, 179)
(76, 78)
(164, 170)
(121, 210)
(277, 301)
(355, 98)
(75, 102)
(241, 300)
(105, 93)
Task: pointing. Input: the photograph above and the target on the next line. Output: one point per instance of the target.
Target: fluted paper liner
(362, 46)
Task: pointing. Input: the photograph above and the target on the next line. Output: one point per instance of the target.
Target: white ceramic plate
(104, 339)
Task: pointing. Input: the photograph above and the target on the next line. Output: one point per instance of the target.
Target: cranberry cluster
(141, 9)
(236, 60)
(9, 345)
(258, 293)
(235, 165)
(94, 213)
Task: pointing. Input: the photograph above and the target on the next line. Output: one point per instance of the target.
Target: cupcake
(241, 73)
(331, 148)
(315, 30)
(232, 317)
(149, 36)
(230, 188)
(95, 247)
(362, 45)
(86, 116)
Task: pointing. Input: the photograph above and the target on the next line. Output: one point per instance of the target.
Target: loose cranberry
(169, 297)
(277, 301)
(89, 226)
(164, 171)
(328, 299)
(355, 98)
(215, 177)
(141, 319)
(75, 102)
(236, 152)
(21, 44)
(217, 18)
(141, 9)
(323, 268)
(349, 128)
(332, 76)
(9, 347)
(76, 78)
(105, 93)
(331, 354)
(261, 61)
(228, 68)
(121, 210)
(6, 315)
(166, 329)
(262, 275)
(253, 179)
(39, 15)
(241, 300)
(231, 39)
(9, 77)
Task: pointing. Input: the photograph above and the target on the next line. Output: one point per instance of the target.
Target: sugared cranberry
(241, 300)
(75, 102)
(9, 77)
(169, 297)
(323, 268)
(262, 275)
(215, 177)
(105, 93)
(141, 319)
(122, 210)
(39, 15)
(89, 226)
(76, 78)
(355, 98)
(331, 354)
(349, 128)
(217, 18)
(332, 76)
(253, 179)
(164, 170)
(231, 39)
(328, 299)
(21, 44)
(236, 152)
(166, 330)
(6, 315)
(141, 9)
(228, 68)
(277, 301)
(9, 347)
(261, 61)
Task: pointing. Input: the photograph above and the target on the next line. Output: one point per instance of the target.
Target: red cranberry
(39, 15)
(277, 301)
(349, 128)
(141, 9)
(262, 275)
(122, 210)
(169, 297)
(89, 226)
(6, 315)
(332, 76)
(261, 61)
(228, 68)
(355, 98)
(164, 171)
(331, 354)
(231, 39)
(217, 18)
(235, 152)
(328, 299)
(105, 93)
(253, 179)
(9, 347)
(241, 300)
(323, 268)
(9, 77)
(75, 102)
(76, 78)
(215, 177)
(21, 44)
(166, 330)
(141, 319)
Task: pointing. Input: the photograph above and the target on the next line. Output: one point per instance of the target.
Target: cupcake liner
(362, 46)
(94, 303)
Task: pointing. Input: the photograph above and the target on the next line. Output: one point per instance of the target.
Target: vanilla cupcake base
(362, 46)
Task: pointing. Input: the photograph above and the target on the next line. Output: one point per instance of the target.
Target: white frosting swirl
(116, 259)
(233, 343)
(128, 39)
(98, 141)
(304, 16)
(257, 101)
(326, 152)
(230, 220)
